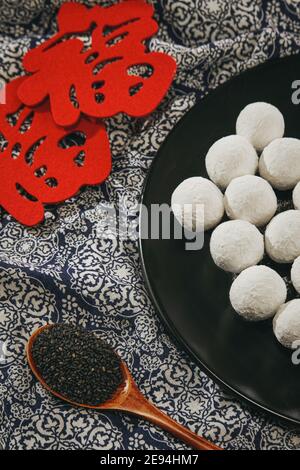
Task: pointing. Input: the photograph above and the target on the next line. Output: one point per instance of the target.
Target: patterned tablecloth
(63, 271)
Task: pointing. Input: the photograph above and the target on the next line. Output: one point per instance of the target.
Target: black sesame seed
(76, 364)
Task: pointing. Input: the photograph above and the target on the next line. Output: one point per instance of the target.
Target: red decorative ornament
(49, 145)
(102, 79)
(35, 165)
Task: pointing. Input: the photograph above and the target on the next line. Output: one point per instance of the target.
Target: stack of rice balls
(244, 170)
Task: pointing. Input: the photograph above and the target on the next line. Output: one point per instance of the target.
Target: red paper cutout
(35, 163)
(60, 64)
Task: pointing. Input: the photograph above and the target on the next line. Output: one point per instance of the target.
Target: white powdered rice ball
(282, 237)
(286, 323)
(197, 200)
(257, 293)
(296, 196)
(280, 163)
(295, 274)
(230, 157)
(250, 198)
(260, 123)
(236, 245)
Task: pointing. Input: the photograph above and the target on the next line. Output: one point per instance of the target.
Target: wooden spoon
(128, 398)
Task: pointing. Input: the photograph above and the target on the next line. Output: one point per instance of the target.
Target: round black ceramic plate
(189, 291)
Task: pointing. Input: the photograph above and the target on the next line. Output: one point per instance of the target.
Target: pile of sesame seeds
(76, 364)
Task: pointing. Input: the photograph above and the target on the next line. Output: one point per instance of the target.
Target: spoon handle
(137, 404)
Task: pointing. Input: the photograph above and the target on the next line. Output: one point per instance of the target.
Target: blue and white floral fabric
(62, 271)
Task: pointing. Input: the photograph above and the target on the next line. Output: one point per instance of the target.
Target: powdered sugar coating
(282, 237)
(196, 200)
(295, 274)
(230, 157)
(236, 245)
(257, 293)
(286, 323)
(250, 198)
(280, 163)
(260, 123)
(296, 196)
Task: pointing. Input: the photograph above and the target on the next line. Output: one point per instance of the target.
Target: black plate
(189, 291)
